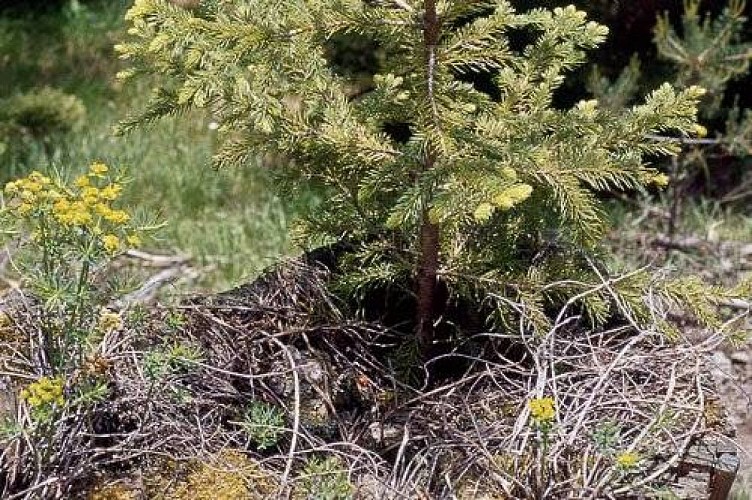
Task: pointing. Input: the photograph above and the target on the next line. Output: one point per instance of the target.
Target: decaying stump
(709, 468)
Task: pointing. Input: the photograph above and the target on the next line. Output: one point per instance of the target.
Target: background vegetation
(228, 220)
(59, 100)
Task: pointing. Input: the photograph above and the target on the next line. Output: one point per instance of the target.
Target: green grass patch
(229, 221)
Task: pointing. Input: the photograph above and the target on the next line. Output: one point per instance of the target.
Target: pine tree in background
(709, 52)
(492, 199)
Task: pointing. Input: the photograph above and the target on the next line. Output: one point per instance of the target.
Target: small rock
(385, 434)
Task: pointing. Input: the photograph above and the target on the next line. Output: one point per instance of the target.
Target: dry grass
(179, 381)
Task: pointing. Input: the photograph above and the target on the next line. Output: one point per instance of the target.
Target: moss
(113, 491)
(229, 475)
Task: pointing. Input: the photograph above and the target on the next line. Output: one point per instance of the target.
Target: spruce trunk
(429, 233)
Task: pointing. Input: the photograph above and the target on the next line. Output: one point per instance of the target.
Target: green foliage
(324, 479)
(607, 437)
(264, 424)
(44, 112)
(479, 188)
(171, 359)
(9, 429)
(709, 51)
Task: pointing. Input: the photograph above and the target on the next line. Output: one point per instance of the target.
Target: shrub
(489, 199)
(37, 117)
(63, 238)
(66, 234)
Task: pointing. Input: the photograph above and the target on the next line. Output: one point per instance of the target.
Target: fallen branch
(156, 260)
(148, 291)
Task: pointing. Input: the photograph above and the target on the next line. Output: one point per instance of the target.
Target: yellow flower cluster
(88, 205)
(627, 460)
(109, 321)
(542, 409)
(45, 391)
(30, 191)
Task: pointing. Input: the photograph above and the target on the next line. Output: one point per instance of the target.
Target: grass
(724, 228)
(229, 221)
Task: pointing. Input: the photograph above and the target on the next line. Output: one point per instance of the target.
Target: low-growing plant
(44, 398)
(9, 429)
(325, 479)
(264, 424)
(171, 359)
(174, 320)
(607, 436)
(64, 238)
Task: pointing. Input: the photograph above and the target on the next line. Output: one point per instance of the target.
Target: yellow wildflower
(110, 242)
(700, 131)
(53, 194)
(627, 460)
(61, 205)
(62, 211)
(36, 176)
(83, 181)
(34, 187)
(111, 191)
(133, 240)
(102, 209)
(98, 169)
(64, 218)
(109, 321)
(45, 391)
(79, 214)
(117, 216)
(542, 409)
(28, 196)
(11, 187)
(90, 195)
(24, 208)
(89, 191)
